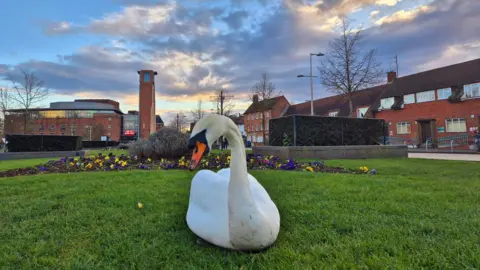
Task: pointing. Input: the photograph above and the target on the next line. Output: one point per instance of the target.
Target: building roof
(237, 119)
(263, 105)
(75, 105)
(81, 105)
(338, 103)
(444, 77)
(158, 119)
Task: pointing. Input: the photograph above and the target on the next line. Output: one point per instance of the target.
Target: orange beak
(197, 154)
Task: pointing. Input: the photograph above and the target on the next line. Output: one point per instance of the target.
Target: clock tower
(146, 103)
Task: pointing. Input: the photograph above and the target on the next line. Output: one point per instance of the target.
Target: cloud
(387, 2)
(404, 15)
(374, 14)
(235, 19)
(197, 48)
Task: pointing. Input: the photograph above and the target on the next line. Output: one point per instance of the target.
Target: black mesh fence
(40, 143)
(302, 130)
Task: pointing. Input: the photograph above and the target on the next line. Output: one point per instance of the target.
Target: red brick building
(438, 105)
(90, 119)
(431, 105)
(339, 105)
(253, 117)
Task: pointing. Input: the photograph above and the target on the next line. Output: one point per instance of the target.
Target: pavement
(465, 157)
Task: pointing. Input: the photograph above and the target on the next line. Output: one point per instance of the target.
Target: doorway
(426, 128)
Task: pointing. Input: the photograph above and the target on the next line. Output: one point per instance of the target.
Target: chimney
(391, 76)
(255, 98)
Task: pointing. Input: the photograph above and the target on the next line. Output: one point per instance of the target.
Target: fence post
(451, 145)
(294, 131)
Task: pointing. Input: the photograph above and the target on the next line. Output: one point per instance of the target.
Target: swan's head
(206, 131)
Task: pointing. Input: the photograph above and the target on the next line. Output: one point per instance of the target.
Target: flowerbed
(211, 161)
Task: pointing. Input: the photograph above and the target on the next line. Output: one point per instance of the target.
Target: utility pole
(220, 101)
(396, 64)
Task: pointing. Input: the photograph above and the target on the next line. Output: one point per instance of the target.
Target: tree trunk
(350, 103)
(263, 126)
(25, 122)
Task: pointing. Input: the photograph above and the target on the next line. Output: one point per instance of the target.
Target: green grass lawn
(413, 214)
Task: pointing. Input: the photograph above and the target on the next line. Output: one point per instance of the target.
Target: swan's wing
(207, 214)
(263, 201)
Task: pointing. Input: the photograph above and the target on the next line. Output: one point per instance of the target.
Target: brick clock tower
(146, 102)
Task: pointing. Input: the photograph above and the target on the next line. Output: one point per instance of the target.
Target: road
(466, 157)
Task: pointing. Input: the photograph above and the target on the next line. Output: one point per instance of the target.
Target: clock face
(146, 77)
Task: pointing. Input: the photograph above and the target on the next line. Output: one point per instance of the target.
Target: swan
(229, 209)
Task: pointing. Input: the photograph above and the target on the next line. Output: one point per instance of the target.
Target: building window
(409, 99)
(63, 127)
(52, 128)
(109, 134)
(444, 93)
(471, 90)
(333, 114)
(403, 128)
(387, 103)
(41, 128)
(73, 129)
(267, 114)
(361, 112)
(261, 126)
(425, 96)
(109, 119)
(146, 77)
(109, 126)
(456, 125)
(256, 115)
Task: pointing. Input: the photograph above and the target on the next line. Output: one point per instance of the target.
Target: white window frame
(471, 90)
(333, 113)
(406, 101)
(425, 96)
(403, 127)
(358, 112)
(452, 124)
(444, 93)
(268, 114)
(387, 103)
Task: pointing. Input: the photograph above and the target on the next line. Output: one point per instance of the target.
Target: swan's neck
(239, 189)
(246, 223)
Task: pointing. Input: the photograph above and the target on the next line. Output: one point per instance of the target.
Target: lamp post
(311, 80)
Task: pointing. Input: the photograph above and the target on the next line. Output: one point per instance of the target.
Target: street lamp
(311, 80)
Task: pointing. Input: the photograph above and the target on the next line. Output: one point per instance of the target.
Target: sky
(93, 49)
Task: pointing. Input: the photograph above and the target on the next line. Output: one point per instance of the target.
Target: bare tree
(198, 113)
(179, 122)
(223, 102)
(28, 91)
(345, 70)
(264, 89)
(5, 104)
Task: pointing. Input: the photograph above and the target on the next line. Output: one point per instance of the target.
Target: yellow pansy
(310, 169)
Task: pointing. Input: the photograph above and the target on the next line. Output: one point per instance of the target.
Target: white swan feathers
(229, 209)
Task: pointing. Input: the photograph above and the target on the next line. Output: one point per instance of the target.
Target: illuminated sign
(129, 132)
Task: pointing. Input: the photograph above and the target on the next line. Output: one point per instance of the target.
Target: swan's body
(230, 209)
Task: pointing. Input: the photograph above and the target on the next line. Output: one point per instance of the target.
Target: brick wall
(251, 123)
(102, 125)
(438, 110)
